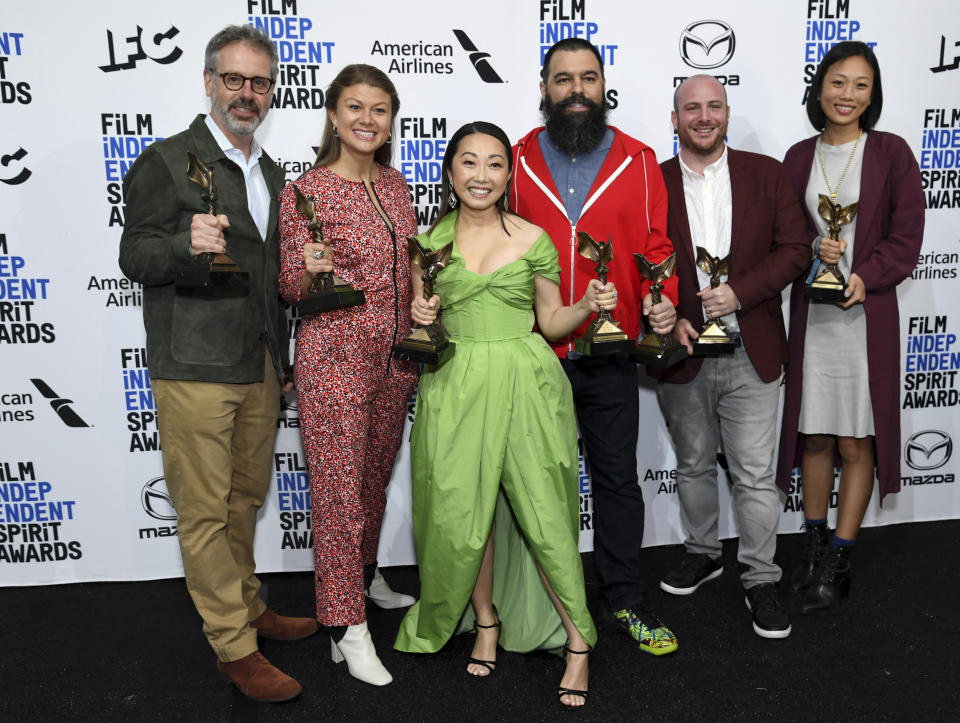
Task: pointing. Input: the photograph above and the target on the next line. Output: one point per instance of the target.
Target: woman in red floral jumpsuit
(350, 393)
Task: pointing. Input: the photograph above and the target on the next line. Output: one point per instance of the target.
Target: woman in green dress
(494, 444)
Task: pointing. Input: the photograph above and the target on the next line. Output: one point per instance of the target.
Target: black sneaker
(692, 573)
(770, 617)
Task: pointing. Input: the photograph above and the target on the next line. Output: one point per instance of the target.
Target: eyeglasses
(235, 81)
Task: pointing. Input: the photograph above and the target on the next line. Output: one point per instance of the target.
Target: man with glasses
(218, 362)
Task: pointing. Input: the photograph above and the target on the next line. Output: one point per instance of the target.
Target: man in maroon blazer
(740, 205)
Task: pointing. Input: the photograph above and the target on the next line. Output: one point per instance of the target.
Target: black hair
(836, 54)
(569, 45)
(488, 129)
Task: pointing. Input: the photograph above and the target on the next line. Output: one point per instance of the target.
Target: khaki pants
(217, 444)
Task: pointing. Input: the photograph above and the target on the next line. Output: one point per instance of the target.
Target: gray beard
(237, 127)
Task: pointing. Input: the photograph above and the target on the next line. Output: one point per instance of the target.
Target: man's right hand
(206, 234)
(685, 334)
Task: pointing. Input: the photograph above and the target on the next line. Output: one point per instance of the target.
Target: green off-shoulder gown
(495, 443)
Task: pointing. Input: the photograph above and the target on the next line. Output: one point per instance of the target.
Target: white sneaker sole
(769, 634)
(690, 590)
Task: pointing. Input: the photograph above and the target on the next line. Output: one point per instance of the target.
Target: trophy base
(209, 280)
(656, 353)
(716, 345)
(824, 294)
(604, 336)
(600, 346)
(425, 344)
(422, 354)
(339, 297)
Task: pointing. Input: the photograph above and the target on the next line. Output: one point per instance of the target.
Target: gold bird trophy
(426, 343)
(326, 292)
(658, 350)
(714, 338)
(604, 335)
(826, 283)
(210, 274)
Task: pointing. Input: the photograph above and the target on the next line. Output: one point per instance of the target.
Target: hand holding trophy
(714, 338)
(604, 335)
(425, 343)
(325, 292)
(658, 350)
(210, 274)
(826, 283)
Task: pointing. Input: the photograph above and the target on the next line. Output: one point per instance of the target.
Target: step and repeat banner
(85, 87)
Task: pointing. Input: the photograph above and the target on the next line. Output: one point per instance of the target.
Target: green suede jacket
(191, 337)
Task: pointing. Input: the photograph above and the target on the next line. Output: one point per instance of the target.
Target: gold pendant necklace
(823, 167)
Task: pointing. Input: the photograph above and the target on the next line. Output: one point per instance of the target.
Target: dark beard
(575, 133)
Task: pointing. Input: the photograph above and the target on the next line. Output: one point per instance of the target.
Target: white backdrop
(86, 86)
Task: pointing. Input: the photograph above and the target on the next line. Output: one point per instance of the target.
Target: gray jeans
(727, 402)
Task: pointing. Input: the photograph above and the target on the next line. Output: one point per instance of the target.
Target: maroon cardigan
(886, 249)
(768, 250)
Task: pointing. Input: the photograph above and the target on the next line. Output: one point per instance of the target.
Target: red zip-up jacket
(627, 202)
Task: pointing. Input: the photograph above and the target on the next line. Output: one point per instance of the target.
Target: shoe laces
(816, 539)
(829, 565)
(699, 562)
(646, 616)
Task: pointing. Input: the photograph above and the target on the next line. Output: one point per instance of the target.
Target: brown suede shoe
(260, 680)
(277, 627)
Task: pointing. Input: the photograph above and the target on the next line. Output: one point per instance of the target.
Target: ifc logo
(156, 500)
(930, 449)
(706, 44)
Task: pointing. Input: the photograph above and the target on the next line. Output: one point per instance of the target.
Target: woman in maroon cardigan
(842, 396)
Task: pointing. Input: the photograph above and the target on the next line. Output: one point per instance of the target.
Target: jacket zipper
(573, 226)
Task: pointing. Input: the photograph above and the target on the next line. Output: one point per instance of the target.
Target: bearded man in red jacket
(579, 174)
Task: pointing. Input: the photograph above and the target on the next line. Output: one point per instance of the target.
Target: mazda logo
(930, 449)
(706, 44)
(156, 500)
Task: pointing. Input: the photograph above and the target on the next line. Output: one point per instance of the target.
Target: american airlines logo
(478, 59)
(60, 405)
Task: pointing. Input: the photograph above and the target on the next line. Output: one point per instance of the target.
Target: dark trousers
(605, 392)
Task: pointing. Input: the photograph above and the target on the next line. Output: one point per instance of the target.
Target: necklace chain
(835, 191)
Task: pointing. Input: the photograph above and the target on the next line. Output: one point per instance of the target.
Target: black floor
(134, 651)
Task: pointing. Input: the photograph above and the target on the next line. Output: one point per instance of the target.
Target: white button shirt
(710, 214)
(258, 197)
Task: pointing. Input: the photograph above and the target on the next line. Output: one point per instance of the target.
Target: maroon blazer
(885, 250)
(769, 248)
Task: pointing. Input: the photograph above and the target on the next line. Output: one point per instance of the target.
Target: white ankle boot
(357, 648)
(382, 596)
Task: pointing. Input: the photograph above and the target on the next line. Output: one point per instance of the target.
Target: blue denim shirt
(574, 175)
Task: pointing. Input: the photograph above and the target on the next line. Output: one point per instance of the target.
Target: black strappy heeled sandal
(490, 665)
(569, 691)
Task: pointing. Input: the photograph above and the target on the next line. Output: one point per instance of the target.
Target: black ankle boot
(831, 582)
(816, 542)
